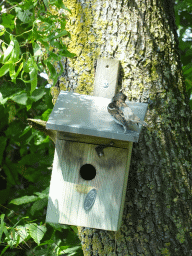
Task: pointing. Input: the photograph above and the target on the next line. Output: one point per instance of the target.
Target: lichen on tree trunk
(141, 34)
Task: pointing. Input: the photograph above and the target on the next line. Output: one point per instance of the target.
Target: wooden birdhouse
(91, 162)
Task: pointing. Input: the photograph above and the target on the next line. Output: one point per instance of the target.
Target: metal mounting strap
(99, 148)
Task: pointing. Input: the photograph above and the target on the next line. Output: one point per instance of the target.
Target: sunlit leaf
(24, 15)
(16, 52)
(12, 72)
(51, 69)
(37, 50)
(8, 51)
(25, 67)
(63, 33)
(36, 232)
(24, 200)
(19, 69)
(20, 98)
(46, 114)
(188, 71)
(46, 3)
(4, 69)
(33, 77)
(2, 30)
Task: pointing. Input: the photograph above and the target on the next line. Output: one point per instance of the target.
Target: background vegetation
(30, 39)
(31, 34)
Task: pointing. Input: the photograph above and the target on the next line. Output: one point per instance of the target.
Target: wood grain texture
(92, 139)
(68, 189)
(106, 77)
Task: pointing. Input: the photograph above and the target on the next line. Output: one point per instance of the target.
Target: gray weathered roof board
(88, 115)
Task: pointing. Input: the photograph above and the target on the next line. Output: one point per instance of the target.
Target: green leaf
(45, 115)
(24, 15)
(50, 37)
(17, 237)
(63, 24)
(12, 72)
(8, 21)
(190, 103)
(59, 4)
(2, 225)
(68, 54)
(61, 71)
(45, 44)
(43, 193)
(75, 229)
(19, 69)
(53, 56)
(46, 4)
(4, 69)
(11, 176)
(51, 69)
(24, 81)
(38, 205)
(2, 30)
(37, 50)
(20, 98)
(4, 250)
(187, 71)
(36, 232)
(71, 251)
(8, 51)
(16, 52)
(37, 94)
(3, 228)
(21, 233)
(25, 67)
(63, 33)
(33, 77)
(31, 63)
(58, 226)
(3, 47)
(24, 200)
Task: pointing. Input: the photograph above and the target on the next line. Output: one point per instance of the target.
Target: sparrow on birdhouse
(122, 113)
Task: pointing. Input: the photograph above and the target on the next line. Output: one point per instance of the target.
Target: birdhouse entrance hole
(87, 172)
(91, 145)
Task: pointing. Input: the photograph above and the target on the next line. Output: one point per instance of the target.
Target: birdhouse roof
(88, 115)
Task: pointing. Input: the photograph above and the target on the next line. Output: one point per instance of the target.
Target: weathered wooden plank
(68, 189)
(106, 77)
(74, 152)
(87, 115)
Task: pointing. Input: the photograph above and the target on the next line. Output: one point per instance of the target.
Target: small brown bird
(117, 115)
(122, 113)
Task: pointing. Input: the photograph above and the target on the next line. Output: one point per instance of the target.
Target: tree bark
(157, 217)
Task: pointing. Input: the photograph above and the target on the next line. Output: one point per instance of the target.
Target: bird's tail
(139, 122)
(143, 123)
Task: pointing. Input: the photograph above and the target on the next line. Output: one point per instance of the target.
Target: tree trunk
(142, 35)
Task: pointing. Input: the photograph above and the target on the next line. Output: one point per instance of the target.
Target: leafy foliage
(30, 42)
(183, 14)
(25, 159)
(31, 37)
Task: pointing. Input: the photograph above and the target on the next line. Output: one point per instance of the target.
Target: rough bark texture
(142, 35)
